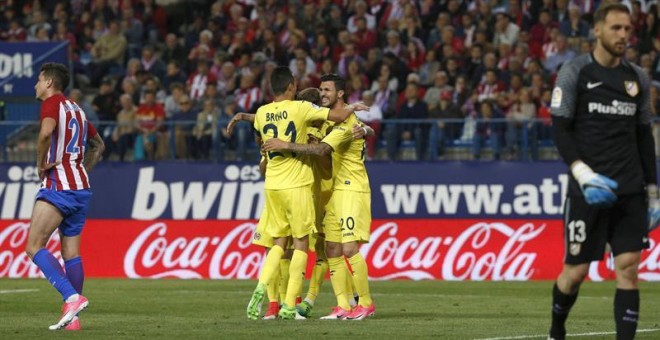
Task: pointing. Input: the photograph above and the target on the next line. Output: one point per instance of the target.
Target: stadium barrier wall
(444, 221)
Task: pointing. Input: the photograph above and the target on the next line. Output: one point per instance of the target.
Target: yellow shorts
(348, 217)
(261, 237)
(290, 212)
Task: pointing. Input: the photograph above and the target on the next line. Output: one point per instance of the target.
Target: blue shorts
(73, 204)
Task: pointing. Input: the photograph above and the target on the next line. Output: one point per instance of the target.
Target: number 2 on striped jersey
(74, 126)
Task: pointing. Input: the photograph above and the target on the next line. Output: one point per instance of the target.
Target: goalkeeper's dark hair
(606, 7)
(58, 73)
(310, 94)
(280, 80)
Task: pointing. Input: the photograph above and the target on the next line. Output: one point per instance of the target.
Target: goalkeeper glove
(597, 189)
(654, 206)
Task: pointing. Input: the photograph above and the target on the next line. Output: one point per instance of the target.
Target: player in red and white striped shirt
(63, 200)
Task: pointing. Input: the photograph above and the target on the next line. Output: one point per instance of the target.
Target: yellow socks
(361, 279)
(296, 276)
(338, 273)
(316, 280)
(273, 287)
(284, 278)
(271, 264)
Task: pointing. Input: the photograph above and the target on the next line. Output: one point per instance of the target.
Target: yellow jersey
(323, 180)
(287, 120)
(348, 157)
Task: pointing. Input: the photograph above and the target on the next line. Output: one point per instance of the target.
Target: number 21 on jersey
(290, 131)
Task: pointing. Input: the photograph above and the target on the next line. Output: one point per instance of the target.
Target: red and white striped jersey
(67, 144)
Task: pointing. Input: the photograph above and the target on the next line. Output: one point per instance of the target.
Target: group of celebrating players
(317, 198)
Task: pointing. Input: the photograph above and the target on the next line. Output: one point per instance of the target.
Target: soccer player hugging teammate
(347, 218)
(63, 199)
(288, 185)
(601, 126)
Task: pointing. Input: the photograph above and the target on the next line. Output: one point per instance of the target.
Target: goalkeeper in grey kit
(602, 129)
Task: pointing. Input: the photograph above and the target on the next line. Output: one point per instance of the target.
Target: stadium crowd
(163, 78)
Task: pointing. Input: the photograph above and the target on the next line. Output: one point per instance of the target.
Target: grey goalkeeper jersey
(605, 106)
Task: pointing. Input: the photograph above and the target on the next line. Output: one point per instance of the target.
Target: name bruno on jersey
(276, 117)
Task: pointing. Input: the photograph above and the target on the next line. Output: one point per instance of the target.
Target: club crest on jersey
(631, 88)
(574, 248)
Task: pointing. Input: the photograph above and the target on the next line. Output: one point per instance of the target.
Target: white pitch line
(12, 291)
(544, 336)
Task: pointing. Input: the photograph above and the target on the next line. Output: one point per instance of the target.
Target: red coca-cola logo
(483, 251)
(14, 262)
(156, 254)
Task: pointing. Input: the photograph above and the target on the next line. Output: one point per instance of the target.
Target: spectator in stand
(520, 118)
(204, 131)
(364, 38)
(446, 131)
(197, 81)
(491, 88)
(227, 79)
(562, 55)
(133, 30)
(429, 68)
(130, 86)
(15, 33)
(204, 50)
(440, 84)
(239, 138)
(149, 120)
(182, 126)
(574, 27)
(384, 97)
(488, 130)
(434, 38)
(173, 51)
(39, 21)
(248, 96)
(108, 54)
(361, 12)
(123, 136)
(152, 62)
(153, 85)
(77, 96)
(173, 74)
(394, 45)
(415, 55)
(505, 31)
(540, 32)
(373, 119)
(106, 105)
(171, 104)
(413, 108)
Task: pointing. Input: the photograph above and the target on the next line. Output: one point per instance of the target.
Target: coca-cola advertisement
(415, 249)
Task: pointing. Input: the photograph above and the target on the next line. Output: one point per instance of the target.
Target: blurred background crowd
(163, 78)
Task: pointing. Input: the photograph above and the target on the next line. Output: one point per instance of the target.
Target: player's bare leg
(626, 298)
(45, 219)
(564, 294)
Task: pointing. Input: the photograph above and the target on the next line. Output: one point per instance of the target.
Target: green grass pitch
(192, 309)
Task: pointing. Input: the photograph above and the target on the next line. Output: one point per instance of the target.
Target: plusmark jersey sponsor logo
(616, 108)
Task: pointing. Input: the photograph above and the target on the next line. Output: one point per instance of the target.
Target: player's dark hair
(608, 7)
(280, 80)
(340, 82)
(310, 94)
(58, 73)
